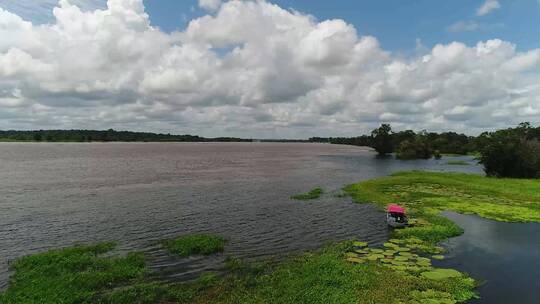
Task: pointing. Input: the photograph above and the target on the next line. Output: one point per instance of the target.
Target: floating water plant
(360, 244)
(441, 274)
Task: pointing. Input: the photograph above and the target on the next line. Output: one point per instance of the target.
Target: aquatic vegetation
(426, 194)
(441, 274)
(204, 244)
(312, 194)
(333, 274)
(157, 292)
(71, 275)
(412, 264)
(360, 244)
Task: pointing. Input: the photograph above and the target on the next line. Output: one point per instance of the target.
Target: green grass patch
(324, 276)
(312, 194)
(82, 275)
(159, 292)
(72, 275)
(425, 194)
(457, 163)
(204, 244)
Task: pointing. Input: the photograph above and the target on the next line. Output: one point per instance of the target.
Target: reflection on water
(54, 195)
(505, 255)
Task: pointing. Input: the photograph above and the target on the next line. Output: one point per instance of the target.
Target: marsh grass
(325, 276)
(204, 244)
(312, 194)
(80, 275)
(72, 275)
(426, 194)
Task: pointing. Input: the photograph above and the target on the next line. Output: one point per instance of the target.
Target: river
(59, 194)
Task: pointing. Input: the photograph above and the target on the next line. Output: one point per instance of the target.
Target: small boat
(395, 216)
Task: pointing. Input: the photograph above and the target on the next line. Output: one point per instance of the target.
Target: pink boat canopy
(396, 209)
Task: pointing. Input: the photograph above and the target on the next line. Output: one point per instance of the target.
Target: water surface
(505, 256)
(57, 194)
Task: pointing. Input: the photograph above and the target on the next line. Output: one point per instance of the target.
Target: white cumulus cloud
(211, 5)
(488, 7)
(250, 69)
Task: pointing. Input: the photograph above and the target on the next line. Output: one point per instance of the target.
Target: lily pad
(351, 255)
(441, 274)
(396, 241)
(401, 258)
(390, 245)
(405, 253)
(376, 250)
(374, 257)
(402, 249)
(423, 264)
(438, 257)
(360, 244)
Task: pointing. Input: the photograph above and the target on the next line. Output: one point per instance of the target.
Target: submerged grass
(204, 244)
(312, 194)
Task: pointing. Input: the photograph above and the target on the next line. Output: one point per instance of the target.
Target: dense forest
(107, 135)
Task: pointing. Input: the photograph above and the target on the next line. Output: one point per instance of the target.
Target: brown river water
(59, 194)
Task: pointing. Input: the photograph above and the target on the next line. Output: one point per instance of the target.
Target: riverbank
(324, 276)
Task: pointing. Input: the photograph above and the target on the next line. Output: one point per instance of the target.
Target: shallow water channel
(504, 256)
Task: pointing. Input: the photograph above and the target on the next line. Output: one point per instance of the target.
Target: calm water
(504, 255)
(54, 195)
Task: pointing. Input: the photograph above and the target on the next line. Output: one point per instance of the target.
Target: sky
(269, 69)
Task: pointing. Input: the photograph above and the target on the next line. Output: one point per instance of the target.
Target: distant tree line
(512, 152)
(106, 136)
(385, 141)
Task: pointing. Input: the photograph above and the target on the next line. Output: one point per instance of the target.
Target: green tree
(511, 152)
(382, 139)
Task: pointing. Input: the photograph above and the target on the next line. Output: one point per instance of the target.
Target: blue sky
(396, 23)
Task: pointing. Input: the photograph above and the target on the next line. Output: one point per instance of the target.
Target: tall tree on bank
(382, 139)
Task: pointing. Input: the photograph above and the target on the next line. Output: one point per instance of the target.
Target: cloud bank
(251, 69)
